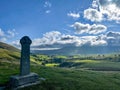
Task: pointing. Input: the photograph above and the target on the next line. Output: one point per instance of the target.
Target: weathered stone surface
(16, 81)
(25, 55)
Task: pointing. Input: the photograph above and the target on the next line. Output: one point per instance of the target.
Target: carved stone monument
(25, 56)
(25, 78)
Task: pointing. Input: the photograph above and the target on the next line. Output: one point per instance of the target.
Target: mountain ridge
(72, 50)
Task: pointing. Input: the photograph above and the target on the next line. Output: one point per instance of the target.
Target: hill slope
(11, 54)
(8, 47)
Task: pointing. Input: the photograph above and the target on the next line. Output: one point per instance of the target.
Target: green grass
(86, 75)
(72, 79)
(65, 78)
(52, 64)
(86, 61)
(101, 65)
(9, 55)
(6, 70)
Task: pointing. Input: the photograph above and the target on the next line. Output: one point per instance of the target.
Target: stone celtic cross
(25, 78)
(25, 56)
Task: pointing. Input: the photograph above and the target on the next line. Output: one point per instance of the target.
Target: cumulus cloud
(94, 40)
(111, 8)
(55, 39)
(93, 15)
(113, 38)
(103, 10)
(48, 38)
(99, 43)
(4, 36)
(74, 15)
(70, 40)
(89, 29)
(113, 34)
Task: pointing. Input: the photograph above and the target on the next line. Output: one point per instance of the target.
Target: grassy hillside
(8, 47)
(11, 54)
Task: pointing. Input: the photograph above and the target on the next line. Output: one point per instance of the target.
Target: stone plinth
(23, 81)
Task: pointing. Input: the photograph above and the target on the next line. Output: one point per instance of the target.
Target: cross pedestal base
(23, 81)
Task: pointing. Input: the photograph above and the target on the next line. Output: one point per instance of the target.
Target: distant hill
(8, 47)
(85, 50)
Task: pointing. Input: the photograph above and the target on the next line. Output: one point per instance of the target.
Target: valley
(77, 72)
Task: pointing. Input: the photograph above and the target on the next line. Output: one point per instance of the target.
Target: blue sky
(63, 22)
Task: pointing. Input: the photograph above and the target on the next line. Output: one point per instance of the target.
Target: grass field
(85, 74)
(65, 78)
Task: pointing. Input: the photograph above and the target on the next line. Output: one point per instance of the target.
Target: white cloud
(99, 43)
(16, 43)
(47, 11)
(48, 38)
(94, 40)
(113, 38)
(55, 39)
(111, 10)
(47, 4)
(89, 29)
(93, 15)
(81, 28)
(113, 34)
(4, 36)
(95, 4)
(11, 33)
(103, 10)
(96, 29)
(1, 32)
(70, 40)
(74, 15)
(44, 49)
